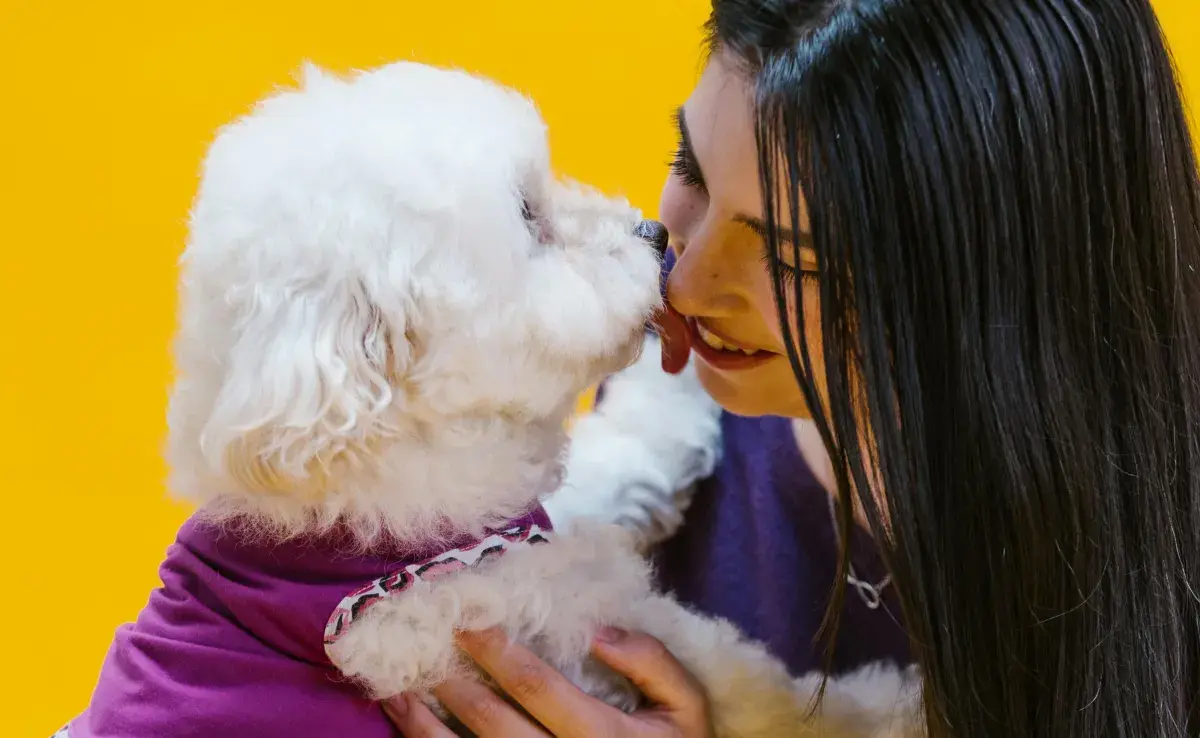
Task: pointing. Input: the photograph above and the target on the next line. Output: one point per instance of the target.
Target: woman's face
(712, 206)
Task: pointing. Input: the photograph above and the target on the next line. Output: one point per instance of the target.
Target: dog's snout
(654, 233)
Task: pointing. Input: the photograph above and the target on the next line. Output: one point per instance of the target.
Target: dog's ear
(308, 386)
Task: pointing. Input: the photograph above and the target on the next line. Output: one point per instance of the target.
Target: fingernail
(611, 636)
(397, 706)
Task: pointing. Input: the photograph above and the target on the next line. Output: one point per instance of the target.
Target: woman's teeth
(720, 345)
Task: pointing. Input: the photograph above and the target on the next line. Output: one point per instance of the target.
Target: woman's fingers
(681, 708)
(647, 663)
(414, 719)
(476, 706)
(546, 694)
(485, 712)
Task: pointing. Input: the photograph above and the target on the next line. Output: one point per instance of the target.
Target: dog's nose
(654, 233)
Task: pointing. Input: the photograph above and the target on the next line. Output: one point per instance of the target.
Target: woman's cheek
(811, 316)
(680, 209)
(812, 320)
(811, 334)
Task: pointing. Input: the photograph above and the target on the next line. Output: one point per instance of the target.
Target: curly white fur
(388, 306)
(371, 331)
(554, 598)
(876, 701)
(636, 459)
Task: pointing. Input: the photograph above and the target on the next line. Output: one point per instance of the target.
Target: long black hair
(1004, 205)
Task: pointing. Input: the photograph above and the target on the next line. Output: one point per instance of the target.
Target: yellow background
(108, 107)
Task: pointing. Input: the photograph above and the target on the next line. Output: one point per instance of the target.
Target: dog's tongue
(676, 339)
(670, 325)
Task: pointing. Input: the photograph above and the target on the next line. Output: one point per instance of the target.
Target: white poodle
(389, 306)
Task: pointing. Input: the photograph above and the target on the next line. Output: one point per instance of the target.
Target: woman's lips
(727, 358)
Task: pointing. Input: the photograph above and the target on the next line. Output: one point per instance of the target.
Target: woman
(751, 539)
(980, 223)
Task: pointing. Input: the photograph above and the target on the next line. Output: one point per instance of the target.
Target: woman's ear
(308, 385)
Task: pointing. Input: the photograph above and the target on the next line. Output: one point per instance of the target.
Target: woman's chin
(769, 389)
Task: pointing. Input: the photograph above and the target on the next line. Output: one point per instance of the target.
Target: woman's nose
(653, 233)
(708, 281)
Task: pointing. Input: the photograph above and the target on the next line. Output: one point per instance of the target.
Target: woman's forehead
(719, 116)
(721, 123)
(721, 104)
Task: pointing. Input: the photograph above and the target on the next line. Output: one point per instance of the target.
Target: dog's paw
(636, 461)
(616, 478)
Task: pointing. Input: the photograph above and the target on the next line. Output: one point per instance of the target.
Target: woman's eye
(683, 165)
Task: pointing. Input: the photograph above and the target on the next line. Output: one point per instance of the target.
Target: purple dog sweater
(232, 645)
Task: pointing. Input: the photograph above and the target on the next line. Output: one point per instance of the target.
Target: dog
(388, 307)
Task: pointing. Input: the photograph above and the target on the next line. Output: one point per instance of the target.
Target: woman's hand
(680, 708)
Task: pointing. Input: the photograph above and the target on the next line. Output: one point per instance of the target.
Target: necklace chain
(871, 594)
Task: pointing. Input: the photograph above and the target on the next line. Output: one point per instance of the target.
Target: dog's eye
(535, 221)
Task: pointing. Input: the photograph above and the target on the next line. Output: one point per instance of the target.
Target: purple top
(231, 644)
(758, 548)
